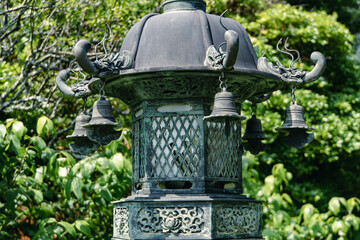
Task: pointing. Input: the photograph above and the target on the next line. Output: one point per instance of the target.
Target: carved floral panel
(121, 225)
(238, 220)
(185, 220)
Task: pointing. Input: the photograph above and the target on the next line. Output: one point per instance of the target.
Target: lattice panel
(175, 146)
(223, 149)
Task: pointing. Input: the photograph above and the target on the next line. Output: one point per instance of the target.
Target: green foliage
(331, 104)
(284, 220)
(46, 194)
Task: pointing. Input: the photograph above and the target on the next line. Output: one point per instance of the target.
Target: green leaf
(76, 187)
(106, 194)
(44, 125)
(334, 205)
(118, 161)
(40, 126)
(339, 227)
(53, 167)
(84, 227)
(68, 227)
(307, 210)
(2, 130)
(67, 189)
(69, 157)
(38, 195)
(39, 143)
(46, 221)
(18, 129)
(40, 174)
(87, 169)
(14, 143)
(287, 198)
(352, 220)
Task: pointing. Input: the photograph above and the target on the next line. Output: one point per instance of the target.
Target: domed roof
(171, 57)
(179, 39)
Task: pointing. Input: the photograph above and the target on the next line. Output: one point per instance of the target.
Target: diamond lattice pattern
(175, 146)
(223, 149)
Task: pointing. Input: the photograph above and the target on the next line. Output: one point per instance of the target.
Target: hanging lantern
(82, 144)
(102, 123)
(254, 135)
(295, 125)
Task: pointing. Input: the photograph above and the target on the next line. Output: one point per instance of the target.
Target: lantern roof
(182, 44)
(180, 53)
(179, 39)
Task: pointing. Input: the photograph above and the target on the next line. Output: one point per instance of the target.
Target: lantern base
(180, 217)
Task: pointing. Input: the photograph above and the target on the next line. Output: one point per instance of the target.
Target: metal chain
(253, 109)
(223, 82)
(293, 97)
(72, 70)
(84, 104)
(101, 90)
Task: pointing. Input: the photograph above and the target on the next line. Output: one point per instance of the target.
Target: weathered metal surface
(104, 67)
(158, 67)
(224, 108)
(82, 144)
(187, 217)
(174, 151)
(294, 119)
(133, 87)
(234, 220)
(291, 75)
(219, 60)
(176, 5)
(253, 136)
(254, 129)
(79, 90)
(223, 163)
(101, 126)
(168, 146)
(295, 125)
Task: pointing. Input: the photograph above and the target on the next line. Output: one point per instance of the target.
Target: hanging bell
(253, 136)
(102, 123)
(82, 144)
(295, 125)
(224, 108)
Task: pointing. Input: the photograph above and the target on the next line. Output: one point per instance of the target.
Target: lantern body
(187, 177)
(187, 172)
(187, 180)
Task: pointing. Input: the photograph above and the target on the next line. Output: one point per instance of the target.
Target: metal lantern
(187, 159)
(82, 144)
(254, 135)
(295, 125)
(101, 126)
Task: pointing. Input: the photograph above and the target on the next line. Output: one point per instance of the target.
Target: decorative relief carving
(171, 220)
(238, 220)
(121, 225)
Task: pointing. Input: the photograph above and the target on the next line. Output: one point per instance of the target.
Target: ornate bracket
(79, 90)
(291, 75)
(216, 59)
(104, 67)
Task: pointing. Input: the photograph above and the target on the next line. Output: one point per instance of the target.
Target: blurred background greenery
(46, 193)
